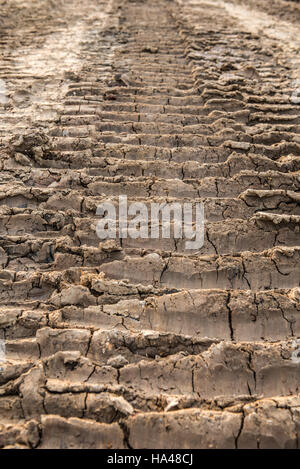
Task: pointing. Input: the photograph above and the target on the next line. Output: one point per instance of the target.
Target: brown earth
(139, 343)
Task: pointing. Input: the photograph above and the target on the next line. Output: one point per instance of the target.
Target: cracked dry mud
(139, 343)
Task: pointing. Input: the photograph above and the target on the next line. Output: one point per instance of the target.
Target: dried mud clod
(30, 148)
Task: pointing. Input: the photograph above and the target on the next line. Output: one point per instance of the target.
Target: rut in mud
(139, 343)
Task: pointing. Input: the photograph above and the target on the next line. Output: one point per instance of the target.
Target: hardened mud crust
(139, 343)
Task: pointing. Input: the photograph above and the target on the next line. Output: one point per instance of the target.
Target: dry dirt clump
(141, 343)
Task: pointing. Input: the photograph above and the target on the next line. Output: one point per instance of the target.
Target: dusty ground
(140, 344)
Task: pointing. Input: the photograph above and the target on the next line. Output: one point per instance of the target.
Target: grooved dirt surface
(139, 343)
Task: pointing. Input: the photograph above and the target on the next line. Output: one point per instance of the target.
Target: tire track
(114, 340)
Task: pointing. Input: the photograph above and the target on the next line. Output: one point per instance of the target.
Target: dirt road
(138, 343)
